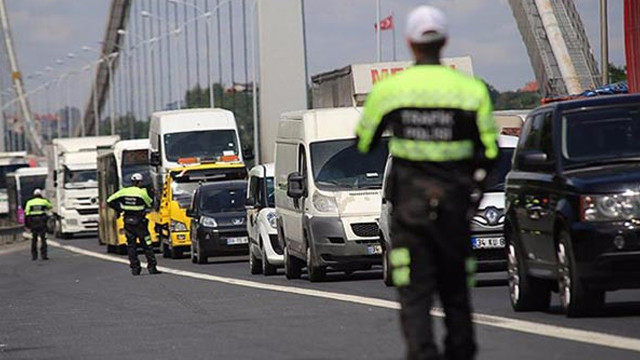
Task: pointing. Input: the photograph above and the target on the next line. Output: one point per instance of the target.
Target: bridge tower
(557, 45)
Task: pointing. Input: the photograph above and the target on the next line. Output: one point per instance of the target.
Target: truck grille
(365, 229)
(87, 211)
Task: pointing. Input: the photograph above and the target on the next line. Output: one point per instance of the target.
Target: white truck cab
(72, 185)
(195, 134)
(327, 194)
(265, 252)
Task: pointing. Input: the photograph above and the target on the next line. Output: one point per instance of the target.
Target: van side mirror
(55, 178)
(154, 158)
(295, 186)
(192, 213)
(247, 153)
(535, 160)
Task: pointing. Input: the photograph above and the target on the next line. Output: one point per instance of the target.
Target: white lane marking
(524, 326)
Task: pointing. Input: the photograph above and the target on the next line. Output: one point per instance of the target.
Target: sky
(339, 32)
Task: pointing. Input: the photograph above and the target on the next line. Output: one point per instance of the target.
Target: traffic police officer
(134, 201)
(444, 141)
(35, 212)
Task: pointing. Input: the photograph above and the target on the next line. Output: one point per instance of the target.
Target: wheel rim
(309, 259)
(264, 260)
(514, 276)
(564, 276)
(252, 261)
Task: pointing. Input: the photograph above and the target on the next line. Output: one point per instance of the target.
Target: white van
(327, 194)
(192, 135)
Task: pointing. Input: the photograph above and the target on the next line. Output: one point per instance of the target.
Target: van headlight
(208, 221)
(177, 226)
(272, 219)
(613, 207)
(324, 203)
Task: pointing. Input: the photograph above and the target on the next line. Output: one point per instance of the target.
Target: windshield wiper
(370, 186)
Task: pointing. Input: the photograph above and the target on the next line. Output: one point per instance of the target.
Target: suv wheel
(387, 276)
(292, 266)
(316, 273)
(576, 300)
(526, 293)
(254, 264)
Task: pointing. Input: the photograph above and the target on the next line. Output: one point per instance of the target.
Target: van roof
(175, 121)
(26, 171)
(320, 124)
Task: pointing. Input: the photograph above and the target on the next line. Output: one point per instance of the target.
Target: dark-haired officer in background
(444, 142)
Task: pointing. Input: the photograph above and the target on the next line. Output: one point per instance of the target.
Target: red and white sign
(365, 75)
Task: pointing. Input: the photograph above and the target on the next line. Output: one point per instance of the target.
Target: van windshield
(224, 199)
(496, 178)
(338, 165)
(208, 144)
(135, 161)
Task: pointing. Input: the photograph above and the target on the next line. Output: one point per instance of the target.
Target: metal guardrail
(10, 232)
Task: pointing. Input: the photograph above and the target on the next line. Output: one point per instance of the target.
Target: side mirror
(295, 186)
(249, 204)
(535, 160)
(192, 213)
(247, 153)
(154, 158)
(55, 178)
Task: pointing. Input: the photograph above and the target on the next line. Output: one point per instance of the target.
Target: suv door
(533, 199)
(252, 213)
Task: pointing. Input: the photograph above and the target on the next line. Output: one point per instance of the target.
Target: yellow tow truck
(171, 221)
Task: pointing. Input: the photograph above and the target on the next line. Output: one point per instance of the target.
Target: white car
(265, 252)
(487, 236)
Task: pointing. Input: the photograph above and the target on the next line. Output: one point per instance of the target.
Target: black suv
(573, 204)
(218, 220)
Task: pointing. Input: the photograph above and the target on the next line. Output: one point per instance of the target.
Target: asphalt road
(77, 306)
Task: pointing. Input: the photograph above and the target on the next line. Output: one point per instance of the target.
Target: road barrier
(10, 232)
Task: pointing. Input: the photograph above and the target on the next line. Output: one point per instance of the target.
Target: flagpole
(393, 17)
(378, 30)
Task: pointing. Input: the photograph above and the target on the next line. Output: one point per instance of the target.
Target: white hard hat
(426, 24)
(37, 192)
(136, 177)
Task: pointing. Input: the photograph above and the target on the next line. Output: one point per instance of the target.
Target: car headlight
(273, 220)
(177, 226)
(324, 203)
(208, 221)
(614, 207)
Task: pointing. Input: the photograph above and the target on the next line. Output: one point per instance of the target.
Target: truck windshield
(208, 144)
(183, 192)
(496, 178)
(135, 161)
(338, 165)
(224, 199)
(6, 169)
(80, 179)
(601, 135)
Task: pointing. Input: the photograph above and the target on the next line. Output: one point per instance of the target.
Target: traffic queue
(323, 207)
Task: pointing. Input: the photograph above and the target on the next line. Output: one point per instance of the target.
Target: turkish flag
(386, 23)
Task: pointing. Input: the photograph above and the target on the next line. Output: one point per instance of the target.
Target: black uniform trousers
(430, 228)
(134, 232)
(38, 226)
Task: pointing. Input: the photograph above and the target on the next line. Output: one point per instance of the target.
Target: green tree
(617, 73)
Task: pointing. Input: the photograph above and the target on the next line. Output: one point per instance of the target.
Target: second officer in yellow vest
(35, 212)
(444, 141)
(134, 202)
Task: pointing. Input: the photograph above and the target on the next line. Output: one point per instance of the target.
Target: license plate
(237, 240)
(488, 243)
(374, 250)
